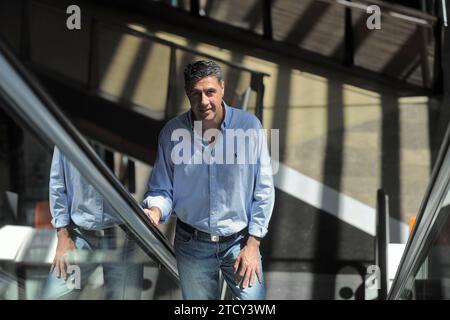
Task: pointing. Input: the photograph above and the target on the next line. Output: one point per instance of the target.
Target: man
(84, 221)
(223, 209)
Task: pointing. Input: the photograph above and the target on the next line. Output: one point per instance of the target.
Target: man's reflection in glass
(84, 221)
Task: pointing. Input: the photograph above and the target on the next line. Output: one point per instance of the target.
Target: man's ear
(222, 86)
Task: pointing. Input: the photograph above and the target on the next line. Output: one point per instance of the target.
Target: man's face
(205, 97)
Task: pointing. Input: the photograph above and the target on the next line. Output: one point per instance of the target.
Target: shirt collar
(227, 118)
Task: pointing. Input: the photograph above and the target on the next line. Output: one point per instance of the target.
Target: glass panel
(432, 281)
(108, 263)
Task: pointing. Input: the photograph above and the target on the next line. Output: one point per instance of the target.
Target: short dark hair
(198, 70)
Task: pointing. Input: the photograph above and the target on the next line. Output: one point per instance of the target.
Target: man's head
(205, 89)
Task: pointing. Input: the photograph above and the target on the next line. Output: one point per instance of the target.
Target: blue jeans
(199, 262)
(123, 279)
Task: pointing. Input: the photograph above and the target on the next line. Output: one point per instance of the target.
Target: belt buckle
(214, 238)
(100, 233)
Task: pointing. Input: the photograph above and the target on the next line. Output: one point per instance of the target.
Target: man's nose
(205, 100)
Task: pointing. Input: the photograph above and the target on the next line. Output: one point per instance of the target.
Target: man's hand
(65, 245)
(248, 260)
(154, 215)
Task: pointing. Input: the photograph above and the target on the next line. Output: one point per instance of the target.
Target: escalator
(94, 75)
(31, 126)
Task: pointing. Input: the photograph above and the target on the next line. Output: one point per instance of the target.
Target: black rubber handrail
(382, 242)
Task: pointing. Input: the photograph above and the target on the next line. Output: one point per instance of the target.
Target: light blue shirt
(217, 198)
(73, 199)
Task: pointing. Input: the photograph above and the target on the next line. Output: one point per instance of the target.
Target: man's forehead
(209, 81)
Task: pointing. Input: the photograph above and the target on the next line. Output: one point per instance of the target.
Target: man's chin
(208, 117)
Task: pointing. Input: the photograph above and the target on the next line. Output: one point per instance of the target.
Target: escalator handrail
(382, 241)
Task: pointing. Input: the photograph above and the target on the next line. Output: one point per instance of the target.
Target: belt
(107, 232)
(200, 235)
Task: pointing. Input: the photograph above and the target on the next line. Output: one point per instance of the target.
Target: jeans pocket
(182, 236)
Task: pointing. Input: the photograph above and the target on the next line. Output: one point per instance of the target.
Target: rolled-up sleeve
(160, 185)
(59, 206)
(264, 191)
